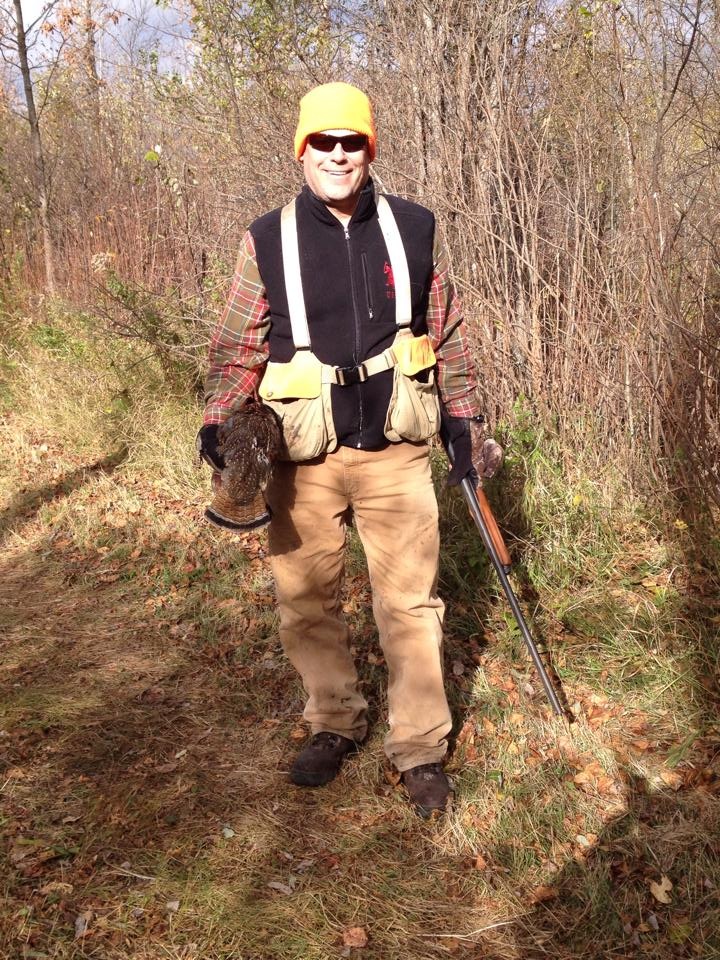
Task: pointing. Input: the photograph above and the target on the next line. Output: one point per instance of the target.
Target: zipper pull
(347, 232)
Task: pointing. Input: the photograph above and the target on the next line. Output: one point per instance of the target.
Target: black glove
(456, 430)
(475, 454)
(207, 446)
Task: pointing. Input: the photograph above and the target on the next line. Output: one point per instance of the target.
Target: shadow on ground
(26, 503)
(147, 813)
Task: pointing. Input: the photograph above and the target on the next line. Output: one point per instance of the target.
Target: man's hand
(207, 446)
(486, 453)
(475, 454)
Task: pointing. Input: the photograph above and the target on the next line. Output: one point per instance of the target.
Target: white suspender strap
(293, 281)
(398, 262)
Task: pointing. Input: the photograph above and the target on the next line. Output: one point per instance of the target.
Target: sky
(31, 9)
(143, 25)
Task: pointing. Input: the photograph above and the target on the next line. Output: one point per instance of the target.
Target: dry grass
(148, 719)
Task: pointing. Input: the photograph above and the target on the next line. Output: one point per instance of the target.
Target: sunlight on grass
(149, 716)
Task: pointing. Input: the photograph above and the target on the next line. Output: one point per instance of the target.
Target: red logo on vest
(389, 281)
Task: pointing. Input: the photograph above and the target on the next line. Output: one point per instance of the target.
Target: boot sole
(427, 813)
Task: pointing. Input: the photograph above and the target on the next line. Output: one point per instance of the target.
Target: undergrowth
(148, 716)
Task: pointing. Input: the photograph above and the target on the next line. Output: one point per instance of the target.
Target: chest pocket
(295, 391)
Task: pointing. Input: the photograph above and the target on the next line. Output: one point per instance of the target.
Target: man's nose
(338, 153)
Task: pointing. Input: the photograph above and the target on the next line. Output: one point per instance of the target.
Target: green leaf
(679, 933)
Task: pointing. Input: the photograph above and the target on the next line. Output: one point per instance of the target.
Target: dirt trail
(146, 722)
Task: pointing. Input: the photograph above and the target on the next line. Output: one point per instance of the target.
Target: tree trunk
(37, 151)
(91, 75)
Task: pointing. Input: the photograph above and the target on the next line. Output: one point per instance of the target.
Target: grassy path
(147, 718)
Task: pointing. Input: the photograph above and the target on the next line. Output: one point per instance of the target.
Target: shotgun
(494, 544)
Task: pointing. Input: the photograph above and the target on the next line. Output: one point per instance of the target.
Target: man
(342, 318)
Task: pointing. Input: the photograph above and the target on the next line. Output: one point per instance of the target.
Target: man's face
(336, 176)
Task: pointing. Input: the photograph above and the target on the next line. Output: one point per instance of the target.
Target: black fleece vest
(349, 297)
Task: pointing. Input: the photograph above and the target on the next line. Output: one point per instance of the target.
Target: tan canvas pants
(392, 497)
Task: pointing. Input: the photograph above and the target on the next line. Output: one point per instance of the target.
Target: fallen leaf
(56, 886)
(166, 767)
(480, 862)
(228, 833)
(282, 887)
(355, 937)
(600, 717)
(392, 776)
(23, 848)
(497, 777)
(661, 891)
(588, 774)
(606, 785)
(172, 906)
(229, 604)
(82, 924)
(672, 778)
(467, 733)
(680, 932)
(542, 893)
(298, 733)
(152, 695)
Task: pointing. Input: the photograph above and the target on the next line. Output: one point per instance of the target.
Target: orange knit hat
(334, 106)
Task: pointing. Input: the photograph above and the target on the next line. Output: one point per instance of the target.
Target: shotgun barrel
(501, 561)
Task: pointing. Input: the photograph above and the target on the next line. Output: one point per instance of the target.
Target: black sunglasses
(325, 142)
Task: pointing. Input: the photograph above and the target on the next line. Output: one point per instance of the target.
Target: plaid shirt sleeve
(457, 382)
(238, 349)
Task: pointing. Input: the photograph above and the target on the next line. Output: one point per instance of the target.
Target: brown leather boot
(319, 762)
(427, 787)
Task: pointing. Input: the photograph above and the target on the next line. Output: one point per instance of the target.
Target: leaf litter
(136, 786)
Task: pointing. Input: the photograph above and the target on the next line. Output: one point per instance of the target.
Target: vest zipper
(356, 354)
(368, 294)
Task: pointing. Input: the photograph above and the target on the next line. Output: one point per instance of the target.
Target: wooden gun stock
(493, 530)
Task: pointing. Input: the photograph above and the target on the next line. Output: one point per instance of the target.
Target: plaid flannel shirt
(238, 349)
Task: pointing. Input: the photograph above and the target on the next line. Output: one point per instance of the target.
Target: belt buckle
(349, 376)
